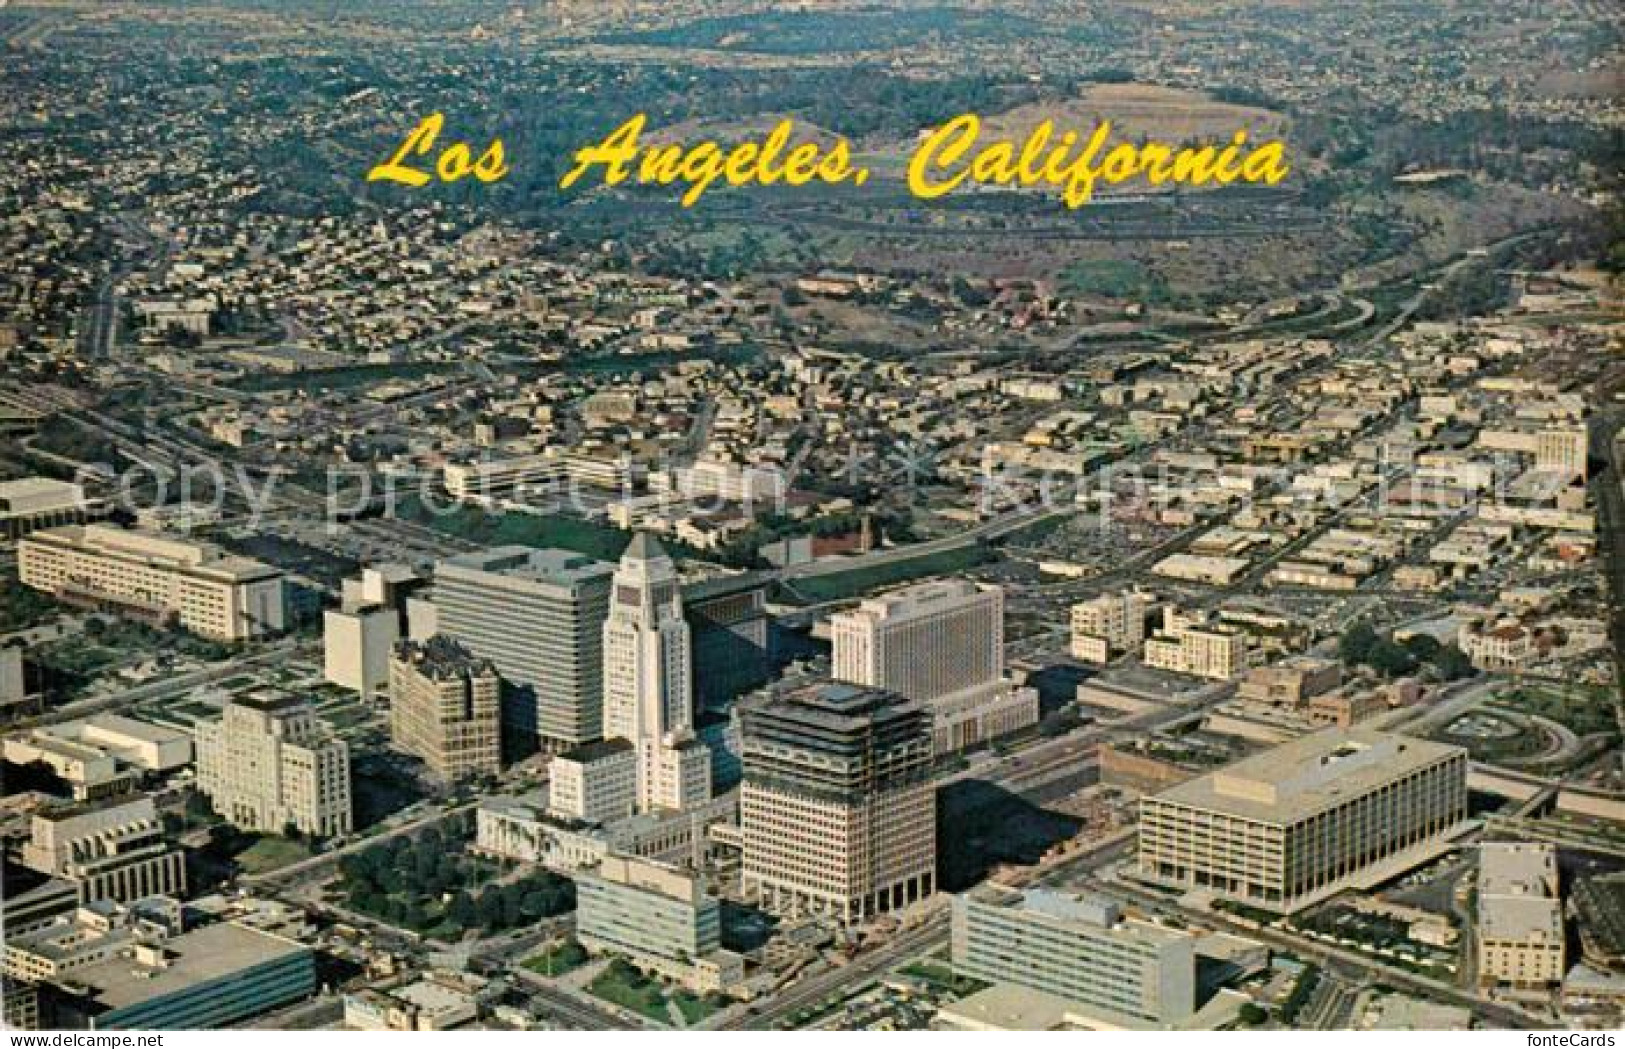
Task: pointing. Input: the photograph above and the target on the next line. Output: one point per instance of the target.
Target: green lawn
(1113, 278)
(944, 978)
(1583, 709)
(557, 960)
(630, 989)
(271, 852)
(694, 1008)
(599, 541)
(341, 378)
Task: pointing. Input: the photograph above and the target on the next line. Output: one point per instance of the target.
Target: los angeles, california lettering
(957, 154)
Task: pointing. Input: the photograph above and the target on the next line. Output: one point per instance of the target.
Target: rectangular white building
(155, 578)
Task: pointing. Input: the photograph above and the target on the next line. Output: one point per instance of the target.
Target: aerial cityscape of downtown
(846, 515)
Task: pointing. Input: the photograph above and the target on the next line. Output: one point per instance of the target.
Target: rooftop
(551, 567)
(1308, 774)
(205, 954)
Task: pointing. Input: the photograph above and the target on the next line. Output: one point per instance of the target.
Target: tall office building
(923, 641)
(108, 850)
(359, 636)
(941, 642)
(837, 808)
(445, 706)
(268, 764)
(1078, 948)
(538, 615)
(1339, 809)
(648, 680)
(154, 578)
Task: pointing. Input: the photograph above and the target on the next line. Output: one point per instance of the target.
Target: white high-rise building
(923, 642)
(941, 642)
(648, 680)
(268, 763)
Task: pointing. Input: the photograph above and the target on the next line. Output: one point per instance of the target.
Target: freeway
(279, 652)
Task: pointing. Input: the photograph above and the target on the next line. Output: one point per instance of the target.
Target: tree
(1389, 659)
(1452, 663)
(461, 910)
(1355, 645)
(489, 909)
(1422, 647)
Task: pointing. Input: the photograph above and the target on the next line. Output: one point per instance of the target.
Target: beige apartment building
(445, 707)
(268, 764)
(1338, 809)
(837, 808)
(1109, 623)
(158, 579)
(1188, 646)
(1520, 915)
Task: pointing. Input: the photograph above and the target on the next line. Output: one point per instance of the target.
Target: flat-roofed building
(660, 918)
(445, 707)
(32, 503)
(208, 978)
(268, 763)
(103, 754)
(940, 642)
(356, 646)
(1520, 915)
(923, 641)
(1109, 623)
(107, 850)
(158, 579)
(837, 807)
(1187, 645)
(539, 616)
(1078, 948)
(1343, 808)
(595, 782)
(90, 934)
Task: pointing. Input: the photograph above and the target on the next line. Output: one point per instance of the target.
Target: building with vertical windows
(594, 783)
(268, 764)
(1078, 948)
(837, 808)
(1520, 915)
(1187, 644)
(648, 680)
(207, 978)
(538, 615)
(1281, 830)
(923, 641)
(445, 706)
(157, 579)
(359, 636)
(114, 849)
(1108, 624)
(942, 643)
(659, 918)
